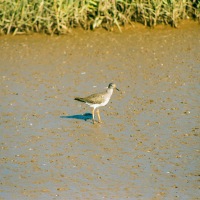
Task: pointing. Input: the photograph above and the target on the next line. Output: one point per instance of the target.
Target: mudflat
(148, 144)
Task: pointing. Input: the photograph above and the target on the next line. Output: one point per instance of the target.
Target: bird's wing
(95, 98)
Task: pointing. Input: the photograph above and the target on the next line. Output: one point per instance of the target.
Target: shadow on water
(85, 116)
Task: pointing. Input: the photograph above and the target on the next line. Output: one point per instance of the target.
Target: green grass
(59, 16)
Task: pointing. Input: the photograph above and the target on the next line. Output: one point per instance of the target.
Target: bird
(97, 100)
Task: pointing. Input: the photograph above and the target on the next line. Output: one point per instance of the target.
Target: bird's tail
(79, 99)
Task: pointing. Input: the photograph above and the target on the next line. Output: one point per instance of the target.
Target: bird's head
(112, 86)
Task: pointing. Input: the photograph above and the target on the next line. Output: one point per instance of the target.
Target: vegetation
(59, 16)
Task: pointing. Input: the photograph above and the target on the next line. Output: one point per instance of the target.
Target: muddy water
(148, 144)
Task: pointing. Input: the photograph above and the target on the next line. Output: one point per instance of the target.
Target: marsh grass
(59, 16)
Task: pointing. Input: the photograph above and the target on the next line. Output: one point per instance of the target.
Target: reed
(59, 16)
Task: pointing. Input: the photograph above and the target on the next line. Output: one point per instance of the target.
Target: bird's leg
(99, 116)
(93, 115)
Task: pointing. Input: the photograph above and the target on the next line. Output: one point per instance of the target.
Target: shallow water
(148, 144)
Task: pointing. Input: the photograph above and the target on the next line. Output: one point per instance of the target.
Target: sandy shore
(148, 144)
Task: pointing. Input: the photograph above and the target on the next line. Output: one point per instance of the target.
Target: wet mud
(148, 144)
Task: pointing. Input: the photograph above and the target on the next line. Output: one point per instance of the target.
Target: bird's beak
(117, 89)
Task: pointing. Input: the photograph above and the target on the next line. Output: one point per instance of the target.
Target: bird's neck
(109, 91)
